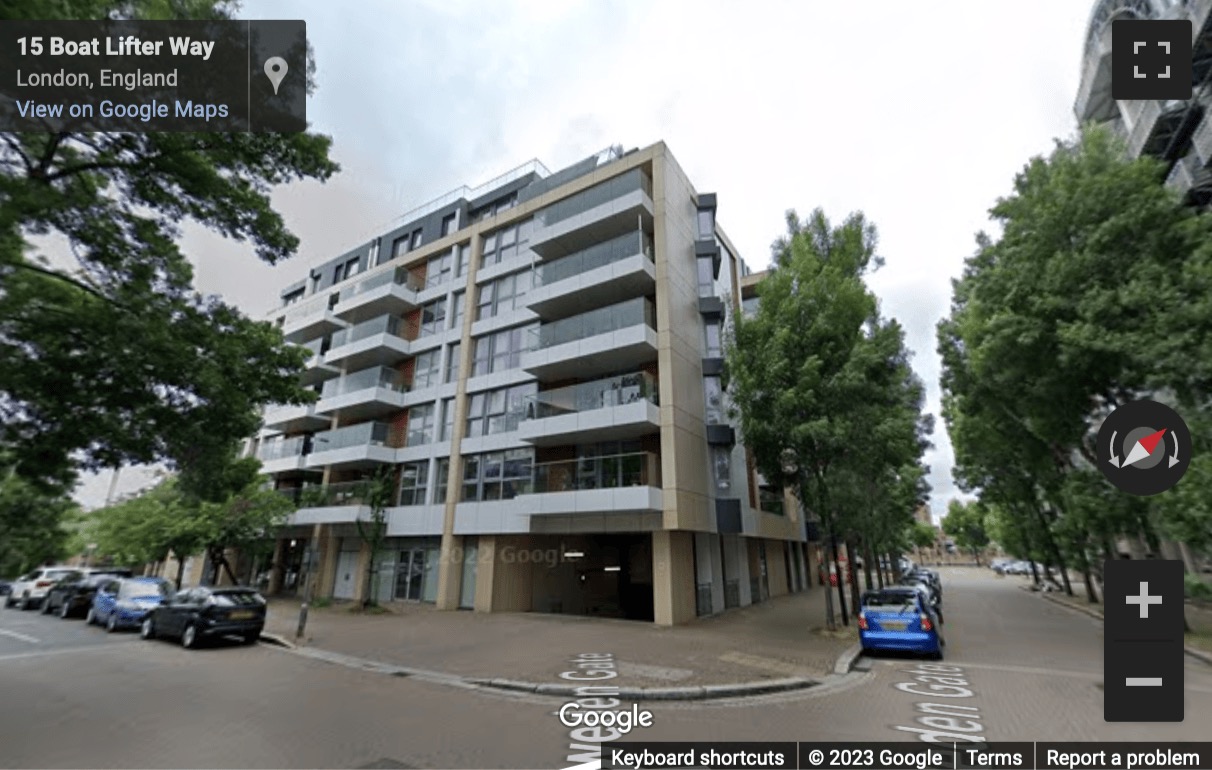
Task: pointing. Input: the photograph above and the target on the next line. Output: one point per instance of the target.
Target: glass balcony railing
(595, 256)
(363, 434)
(399, 276)
(315, 346)
(315, 307)
(633, 312)
(377, 377)
(637, 469)
(384, 324)
(588, 396)
(593, 197)
(282, 448)
(316, 496)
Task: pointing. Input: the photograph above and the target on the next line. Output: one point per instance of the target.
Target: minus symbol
(1143, 681)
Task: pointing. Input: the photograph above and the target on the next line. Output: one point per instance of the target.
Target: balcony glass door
(410, 574)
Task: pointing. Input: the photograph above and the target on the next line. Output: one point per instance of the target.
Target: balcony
(603, 274)
(357, 446)
(315, 370)
(614, 207)
(291, 418)
(1094, 100)
(620, 336)
(281, 455)
(626, 483)
(1202, 140)
(1190, 179)
(377, 342)
(390, 292)
(341, 503)
(612, 409)
(309, 319)
(364, 395)
(1153, 126)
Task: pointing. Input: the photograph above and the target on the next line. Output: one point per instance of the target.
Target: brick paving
(780, 638)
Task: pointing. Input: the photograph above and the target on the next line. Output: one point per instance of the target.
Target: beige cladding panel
(673, 590)
(776, 565)
(512, 578)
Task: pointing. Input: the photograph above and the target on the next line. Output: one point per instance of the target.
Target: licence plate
(241, 615)
(894, 625)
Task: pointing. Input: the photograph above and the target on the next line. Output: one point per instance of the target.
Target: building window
(497, 475)
(440, 269)
(457, 308)
(452, 363)
(399, 247)
(706, 224)
(448, 224)
(373, 257)
(416, 240)
(420, 425)
(713, 392)
(503, 294)
(427, 369)
(721, 467)
(506, 243)
(448, 418)
(771, 501)
(501, 351)
(489, 255)
(706, 273)
(414, 481)
(464, 260)
(433, 318)
(292, 298)
(498, 411)
(443, 480)
(711, 333)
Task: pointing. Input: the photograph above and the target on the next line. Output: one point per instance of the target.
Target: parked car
(999, 565)
(931, 577)
(205, 613)
(126, 602)
(29, 590)
(73, 594)
(899, 618)
(928, 595)
(6, 587)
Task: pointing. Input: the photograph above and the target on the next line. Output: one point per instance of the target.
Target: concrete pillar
(707, 569)
(361, 583)
(717, 573)
(736, 566)
(450, 568)
(776, 567)
(276, 571)
(672, 577)
(329, 550)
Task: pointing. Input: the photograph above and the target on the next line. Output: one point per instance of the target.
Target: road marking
(22, 637)
(60, 651)
(1092, 675)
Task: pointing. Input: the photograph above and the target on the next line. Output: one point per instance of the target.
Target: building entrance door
(347, 575)
(410, 574)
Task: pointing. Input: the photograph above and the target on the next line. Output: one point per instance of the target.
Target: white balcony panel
(606, 285)
(594, 225)
(388, 299)
(363, 404)
(375, 350)
(330, 514)
(637, 499)
(409, 520)
(284, 464)
(315, 371)
(294, 419)
(614, 351)
(607, 424)
(361, 456)
(493, 516)
(409, 454)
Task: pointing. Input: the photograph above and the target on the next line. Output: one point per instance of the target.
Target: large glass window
(497, 475)
(433, 318)
(440, 269)
(458, 306)
(420, 425)
(721, 466)
(706, 273)
(453, 355)
(714, 393)
(443, 480)
(414, 480)
(464, 260)
(501, 351)
(448, 224)
(711, 333)
(427, 369)
(505, 293)
(706, 223)
(498, 411)
(506, 243)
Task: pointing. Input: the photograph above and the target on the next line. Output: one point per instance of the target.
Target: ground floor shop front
(666, 577)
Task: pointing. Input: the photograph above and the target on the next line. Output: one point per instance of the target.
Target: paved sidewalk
(778, 642)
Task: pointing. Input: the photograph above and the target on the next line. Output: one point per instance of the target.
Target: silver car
(29, 591)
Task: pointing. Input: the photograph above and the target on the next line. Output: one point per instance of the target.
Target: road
(78, 697)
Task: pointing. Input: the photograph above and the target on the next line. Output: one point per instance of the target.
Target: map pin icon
(275, 70)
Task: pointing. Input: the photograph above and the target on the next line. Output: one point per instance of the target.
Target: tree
(32, 522)
(816, 373)
(377, 494)
(965, 522)
(118, 359)
(922, 535)
(150, 527)
(244, 522)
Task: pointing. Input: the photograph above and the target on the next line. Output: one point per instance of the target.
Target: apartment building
(537, 360)
(1176, 131)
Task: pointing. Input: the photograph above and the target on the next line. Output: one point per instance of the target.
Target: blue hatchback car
(124, 603)
(899, 618)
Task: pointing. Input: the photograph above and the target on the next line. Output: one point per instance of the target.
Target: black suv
(73, 594)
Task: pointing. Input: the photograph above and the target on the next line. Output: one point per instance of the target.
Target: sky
(917, 114)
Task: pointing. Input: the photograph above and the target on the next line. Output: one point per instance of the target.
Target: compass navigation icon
(1144, 447)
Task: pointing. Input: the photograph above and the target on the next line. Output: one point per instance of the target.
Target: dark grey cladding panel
(516, 185)
(721, 435)
(707, 200)
(707, 247)
(713, 367)
(728, 516)
(296, 286)
(563, 176)
(430, 225)
(711, 306)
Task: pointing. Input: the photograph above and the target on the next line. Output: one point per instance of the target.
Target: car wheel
(65, 610)
(8, 601)
(23, 605)
(189, 637)
(91, 618)
(46, 606)
(147, 629)
(937, 655)
(251, 639)
(111, 623)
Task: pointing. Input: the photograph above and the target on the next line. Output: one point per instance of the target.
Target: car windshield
(131, 590)
(237, 598)
(890, 602)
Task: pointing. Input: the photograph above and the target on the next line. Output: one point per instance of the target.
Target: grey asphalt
(78, 697)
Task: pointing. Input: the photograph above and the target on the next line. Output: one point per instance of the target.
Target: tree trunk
(841, 583)
(180, 570)
(1054, 548)
(868, 557)
(852, 551)
(976, 554)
